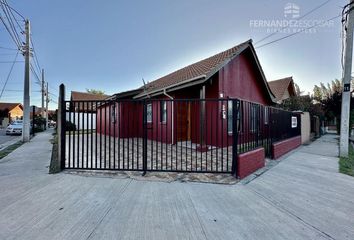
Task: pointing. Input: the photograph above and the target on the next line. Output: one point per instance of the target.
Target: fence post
(33, 117)
(235, 110)
(144, 137)
(61, 127)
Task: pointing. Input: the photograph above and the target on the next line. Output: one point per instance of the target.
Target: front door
(183, 120)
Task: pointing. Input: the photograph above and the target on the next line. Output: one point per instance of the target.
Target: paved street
(302, 197)
(7, 138)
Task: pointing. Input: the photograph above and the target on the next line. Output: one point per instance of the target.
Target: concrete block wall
(282, 147)
(249, 162)
(305, 127)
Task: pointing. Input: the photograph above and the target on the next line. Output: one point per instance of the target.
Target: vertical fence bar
(114, 133)
(235, 111)
(109, 134)
(144, 137)
(69, 144)
(91, 134)
(83, 134)
(119, 119)
(87, 134)
(62, 126)
(75, 163)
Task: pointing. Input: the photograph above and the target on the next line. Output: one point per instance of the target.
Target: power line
(18, 13)
(9, 17)
(11, 12)
(8, 75)
(15, 90)
(10, 33)
(11, 61)
(300, 31)
(53, 94)
(306, 14)
(6, 48)
(35, 74)
(35, 55)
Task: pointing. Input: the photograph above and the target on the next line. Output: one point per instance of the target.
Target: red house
(204, 119)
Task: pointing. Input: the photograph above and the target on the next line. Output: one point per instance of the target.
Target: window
(266, 115)
(163, 111)
(149, 113)
(254, 117)
(113, 113)
(230, 118)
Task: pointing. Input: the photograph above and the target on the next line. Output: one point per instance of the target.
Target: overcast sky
(111, 45)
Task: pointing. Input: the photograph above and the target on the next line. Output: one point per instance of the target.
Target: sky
(111, 45)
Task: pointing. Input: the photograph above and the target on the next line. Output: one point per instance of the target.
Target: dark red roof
(279, 87)
(203, 69)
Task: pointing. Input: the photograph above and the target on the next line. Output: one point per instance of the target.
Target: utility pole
(344, 125)
(46, 106)
(26, 94)
(43, 92)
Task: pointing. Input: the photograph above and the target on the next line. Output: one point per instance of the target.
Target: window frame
(230, 118)
(148, 107)
(163, 111)
(113, 113)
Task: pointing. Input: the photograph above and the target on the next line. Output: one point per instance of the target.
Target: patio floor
(86, 151)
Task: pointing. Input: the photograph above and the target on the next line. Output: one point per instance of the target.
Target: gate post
(235, 110)
(61, 127)
(144, 137)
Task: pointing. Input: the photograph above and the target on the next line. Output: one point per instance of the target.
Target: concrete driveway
(302, 197)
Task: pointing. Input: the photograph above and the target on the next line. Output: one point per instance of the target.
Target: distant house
(83, 106)
(234, 73)
(81, 97)
(282, 89)
(10, 112)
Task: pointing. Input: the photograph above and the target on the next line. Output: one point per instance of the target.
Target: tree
(303, 103)
(95, 91)
(330, 99)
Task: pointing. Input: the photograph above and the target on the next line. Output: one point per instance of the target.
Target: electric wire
(300, 31)
(303, 16)
(8, 75)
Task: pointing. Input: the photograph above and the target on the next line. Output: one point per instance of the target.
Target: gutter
(172, 114)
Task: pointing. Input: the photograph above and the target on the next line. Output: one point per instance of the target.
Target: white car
(14, 128)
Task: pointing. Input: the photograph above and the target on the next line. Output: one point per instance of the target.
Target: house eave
(179, 85)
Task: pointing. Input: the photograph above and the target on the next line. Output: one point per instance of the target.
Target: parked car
(52, 124)
(15, 127)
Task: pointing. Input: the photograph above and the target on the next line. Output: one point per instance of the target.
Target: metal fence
(180, 135)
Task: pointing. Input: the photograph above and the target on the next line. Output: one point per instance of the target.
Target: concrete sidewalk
(302, 197)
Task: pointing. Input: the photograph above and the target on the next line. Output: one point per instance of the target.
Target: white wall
(86, 117)
(305, 127)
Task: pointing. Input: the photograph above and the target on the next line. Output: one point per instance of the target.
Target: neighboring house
(282, 89)
(234, 73)
(10, 112)
(85, 96)
(83, 106)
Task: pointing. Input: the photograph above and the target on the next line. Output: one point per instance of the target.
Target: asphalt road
(5, 138)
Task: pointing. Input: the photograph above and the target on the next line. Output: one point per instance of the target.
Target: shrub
(69, 126)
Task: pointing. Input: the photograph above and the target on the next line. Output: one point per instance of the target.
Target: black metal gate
(179, 135)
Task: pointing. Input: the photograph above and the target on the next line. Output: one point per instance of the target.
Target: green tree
(95, 91)
(330, 99)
